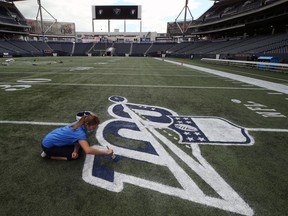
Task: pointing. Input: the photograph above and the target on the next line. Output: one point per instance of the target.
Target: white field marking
(64, 124)
(81, 68)
(182, 177)
(129, 68)
(10, 60)
(221, 130)
(152, 75)
(275, 93)
(257, 75)
(117, 74)
(229, 201)
(261, 83)
(149, 86)
(268, 130)
(41, 62)
(263, 110)
(13, 87)
(34, 123)
(236, 101)
(11, 72)
(34, 80)
(147, 112)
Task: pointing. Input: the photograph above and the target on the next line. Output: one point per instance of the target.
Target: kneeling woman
(64, 143)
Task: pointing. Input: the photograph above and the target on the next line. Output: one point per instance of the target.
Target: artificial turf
(31, 185)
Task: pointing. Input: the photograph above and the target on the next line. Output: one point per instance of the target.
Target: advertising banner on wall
(52, 28)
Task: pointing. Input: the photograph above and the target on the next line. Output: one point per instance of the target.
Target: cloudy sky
(155, 13)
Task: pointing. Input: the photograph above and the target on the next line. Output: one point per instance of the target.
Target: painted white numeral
(14, 87)
(35, 80)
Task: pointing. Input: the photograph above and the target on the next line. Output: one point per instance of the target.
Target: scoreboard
(120, 12)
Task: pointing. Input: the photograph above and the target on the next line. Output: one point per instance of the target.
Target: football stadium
(197, 117)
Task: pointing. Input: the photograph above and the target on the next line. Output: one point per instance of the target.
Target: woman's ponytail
(90, 119)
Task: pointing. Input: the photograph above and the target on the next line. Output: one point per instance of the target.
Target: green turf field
(216, 177)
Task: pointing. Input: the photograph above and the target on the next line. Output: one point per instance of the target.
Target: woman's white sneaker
(43, 154)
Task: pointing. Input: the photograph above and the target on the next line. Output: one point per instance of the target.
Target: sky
(155, 13)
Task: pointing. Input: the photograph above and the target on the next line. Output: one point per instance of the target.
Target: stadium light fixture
(39, 13)
(185, 27)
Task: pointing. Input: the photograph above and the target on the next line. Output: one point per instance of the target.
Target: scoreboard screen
(122, 12)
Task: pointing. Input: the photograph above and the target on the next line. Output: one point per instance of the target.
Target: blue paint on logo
(119, 111)
(100, 170)
(188, 130)
(117, 99)
(112, 131)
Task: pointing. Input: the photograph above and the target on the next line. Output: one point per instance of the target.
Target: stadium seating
(98, 49)
(259, 45)
(139, 49)
(224, 9)
(159, 48)
(122, 48)
(3, 49)
(41, 46)
(12, 21)
(23, 45)
(13, 49)
(82, 49)
(62, 48)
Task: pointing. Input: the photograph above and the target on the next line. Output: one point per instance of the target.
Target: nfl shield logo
(159, 131)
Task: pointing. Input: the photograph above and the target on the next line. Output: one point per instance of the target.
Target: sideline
(260, 83)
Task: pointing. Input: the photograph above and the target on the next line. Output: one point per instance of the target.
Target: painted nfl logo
(148, 125)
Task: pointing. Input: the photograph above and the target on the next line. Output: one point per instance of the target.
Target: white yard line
(117, 74)
(34, 123)
(275, 93)
(142, 86)
(64, 124)
(261, 83)
(268, 130)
